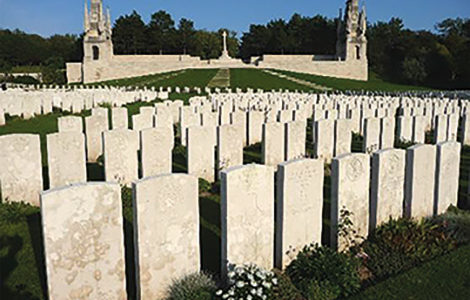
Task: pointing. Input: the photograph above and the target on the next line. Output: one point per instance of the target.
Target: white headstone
(447, 176)
(66, 158)
(166, 227)
(156, 146)
(84, 242)
(120, 156)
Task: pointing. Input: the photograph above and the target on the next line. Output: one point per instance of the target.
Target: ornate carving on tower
(97, 42)
(352, 41)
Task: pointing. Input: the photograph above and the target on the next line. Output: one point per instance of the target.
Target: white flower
(275, 281)
(253, 283)
(225, 296)
(253, 291)
(249, 297)
(259, 292)
(231, 274)
(219, 292)
(231, 292)
(240, 284)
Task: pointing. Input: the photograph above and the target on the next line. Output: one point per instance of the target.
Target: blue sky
(47, 17)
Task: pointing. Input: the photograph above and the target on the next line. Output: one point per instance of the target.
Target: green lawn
(189, 78)
(250, 78)
(373, 84)
(446, 277)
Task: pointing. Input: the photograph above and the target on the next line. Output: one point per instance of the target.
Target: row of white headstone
(82, 223)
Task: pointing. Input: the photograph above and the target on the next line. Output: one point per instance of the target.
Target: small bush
(455, 223)
(249, 282)
(197, 286)
(285, 289)
(399, 245)
(321, 270)
(16, 212)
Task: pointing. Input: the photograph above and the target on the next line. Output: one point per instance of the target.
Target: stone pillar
(405, 128)
(200, 152)
(120, 156)
(156, 150)
(273, 144)
(95, 125)
(388, 186)
(66, 158)
(120, 118)
(350, 179)
(247, 216)
(229, 146)
(299, 207)
(419, 181)
(387, 132)
(83, 242)
(166, 226)
(447, 176)
(343, 137)
(70, 124)
(295, 138)
(371, 135)
(324, 140)
(20, 168)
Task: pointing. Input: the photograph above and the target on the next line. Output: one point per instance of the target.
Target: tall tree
(129, 34)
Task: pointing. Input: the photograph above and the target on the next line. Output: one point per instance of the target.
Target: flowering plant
(248, 282)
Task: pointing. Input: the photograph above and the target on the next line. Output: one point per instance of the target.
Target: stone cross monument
(225, 54)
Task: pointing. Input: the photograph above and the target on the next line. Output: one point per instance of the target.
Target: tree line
(439, 58)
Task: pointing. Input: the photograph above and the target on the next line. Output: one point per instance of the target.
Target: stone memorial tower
(97, 43)
(352, 42)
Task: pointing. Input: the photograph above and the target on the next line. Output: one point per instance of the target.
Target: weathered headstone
(324, 139)
(156, 146)
(84, 242)
(273, 147)
(419, 129)
(142, 121)
(295, 135)
(299, 207)
(387, 186)
(350, 179)
(120, 156)
(419, 180)
(166, 226)
(247, 214)
(343, 137)
(405, 128)
(94, 127)
(200, 152)
(70, 124)
(119, 117)
(255, 127)
(447, 176)
(66, 158)
(20, 168)
(440, 129)
(387, 132)
(229, 146)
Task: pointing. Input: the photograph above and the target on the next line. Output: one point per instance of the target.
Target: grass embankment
(257, 79)
(190, 78)
(446, 277)
(373, 84)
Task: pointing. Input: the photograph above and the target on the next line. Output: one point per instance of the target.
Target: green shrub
(285, 289)
(455, 223)
(197, 286)
(399, 245)
(321, 268)
(16, 212)
(249, 282)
